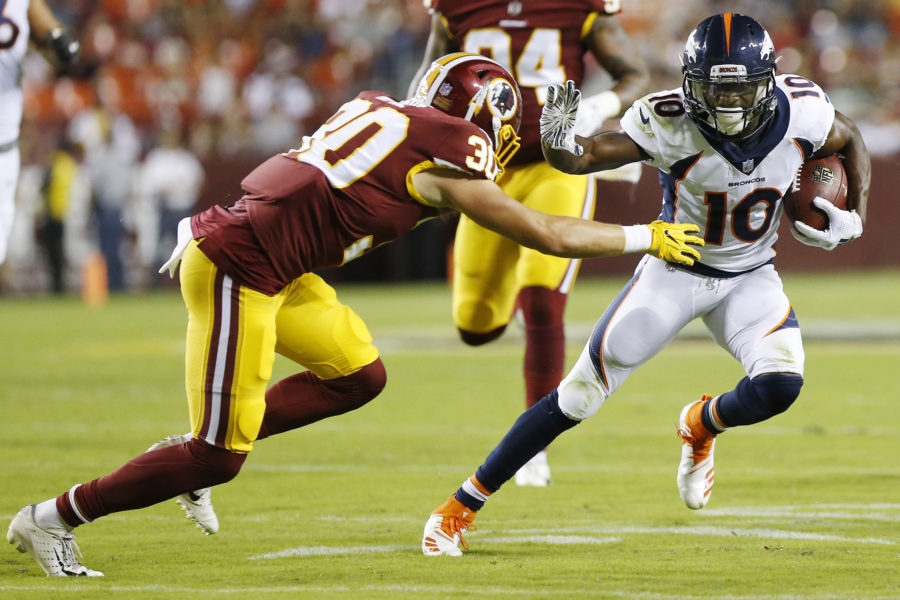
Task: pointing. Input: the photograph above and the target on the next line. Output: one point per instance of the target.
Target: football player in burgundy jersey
(370, 173)
(727, 144)
(541, 42)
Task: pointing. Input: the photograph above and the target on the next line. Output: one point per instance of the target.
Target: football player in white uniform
(727, 146)
(18, 20)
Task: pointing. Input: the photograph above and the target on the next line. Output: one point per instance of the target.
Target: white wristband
(638, 238)
(596, 109)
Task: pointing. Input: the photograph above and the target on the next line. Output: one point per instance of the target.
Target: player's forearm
(571, 237)
(615, 51)
(602, 151)
(846, 140)
(632, 81)
(42, 21)
(565, 161)
(859, 176)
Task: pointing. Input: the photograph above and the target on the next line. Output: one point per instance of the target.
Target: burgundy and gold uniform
(345, 191)
(247, 277)
(541, 42)
(246, 274)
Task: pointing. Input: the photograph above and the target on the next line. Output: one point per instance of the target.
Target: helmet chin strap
(496, 124)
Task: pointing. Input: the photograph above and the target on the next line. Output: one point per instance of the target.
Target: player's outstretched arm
(845, 140)
(486, 204)
(572, 153)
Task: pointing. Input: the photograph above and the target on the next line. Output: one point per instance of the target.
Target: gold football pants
(232, 337)
(489, 269)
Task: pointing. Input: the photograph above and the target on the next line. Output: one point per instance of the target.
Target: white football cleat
(197, 505)
(536, 472)
(695, 471)
(445, 527)
(54, 551)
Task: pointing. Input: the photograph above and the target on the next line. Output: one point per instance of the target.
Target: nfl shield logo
(747, 165)
(444, 89)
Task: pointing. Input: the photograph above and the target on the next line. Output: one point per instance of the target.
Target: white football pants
(748, 315)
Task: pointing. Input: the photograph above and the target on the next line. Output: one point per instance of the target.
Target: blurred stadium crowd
(171, 93)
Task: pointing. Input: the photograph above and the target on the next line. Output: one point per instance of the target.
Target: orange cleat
(695, 472)
(445, 528)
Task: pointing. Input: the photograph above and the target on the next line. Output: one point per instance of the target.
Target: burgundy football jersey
(346, 190)
(539, 41)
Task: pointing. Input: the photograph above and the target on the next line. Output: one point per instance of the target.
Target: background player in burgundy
(370, 173)
(541, 42)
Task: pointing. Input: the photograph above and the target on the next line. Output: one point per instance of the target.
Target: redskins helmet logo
(502, 100)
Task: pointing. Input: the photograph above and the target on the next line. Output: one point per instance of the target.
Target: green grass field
(806, 505)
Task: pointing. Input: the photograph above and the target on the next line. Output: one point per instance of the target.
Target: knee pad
(777, 391)
(580, 394)
(755, 400)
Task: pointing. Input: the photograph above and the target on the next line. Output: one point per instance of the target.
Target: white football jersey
(732, 195)
(14, 33)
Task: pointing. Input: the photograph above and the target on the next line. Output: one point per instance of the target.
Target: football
(823, 177)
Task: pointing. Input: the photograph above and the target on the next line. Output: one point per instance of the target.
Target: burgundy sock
(150, 478)
(545, 341)
(305, 398)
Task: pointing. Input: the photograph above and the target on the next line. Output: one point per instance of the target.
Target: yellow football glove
(673, 242)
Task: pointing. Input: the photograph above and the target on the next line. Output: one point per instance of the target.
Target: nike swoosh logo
(644, 119)
(62, 566)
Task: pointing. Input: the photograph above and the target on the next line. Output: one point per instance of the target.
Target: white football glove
(843, 226)
(558, 117)
(595, 110)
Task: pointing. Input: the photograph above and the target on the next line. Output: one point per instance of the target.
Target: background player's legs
(484, 284)
(9, 177)
(315, 330)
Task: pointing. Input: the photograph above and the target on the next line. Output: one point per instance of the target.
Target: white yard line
(556, 537)
(446, 591)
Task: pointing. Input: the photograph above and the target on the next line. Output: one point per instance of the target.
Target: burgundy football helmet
(476, 88)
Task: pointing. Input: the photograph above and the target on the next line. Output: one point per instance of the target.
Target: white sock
(47, 517)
